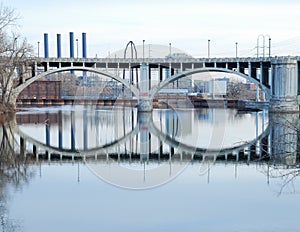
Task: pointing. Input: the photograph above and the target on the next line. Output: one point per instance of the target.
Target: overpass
(277, 77)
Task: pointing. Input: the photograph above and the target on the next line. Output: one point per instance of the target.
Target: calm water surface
(148, 193)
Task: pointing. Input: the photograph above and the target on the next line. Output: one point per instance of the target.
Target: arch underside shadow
(178, 76)
(21, 87)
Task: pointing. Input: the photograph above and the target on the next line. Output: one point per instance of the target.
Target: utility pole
(143, 49)
(38, 49)
(77, 46)
(208, 49)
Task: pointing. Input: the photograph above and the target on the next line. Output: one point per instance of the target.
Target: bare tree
(15, 53)
(234, 90)
(240, 91)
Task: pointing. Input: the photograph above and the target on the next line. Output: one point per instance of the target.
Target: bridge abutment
(284, 85)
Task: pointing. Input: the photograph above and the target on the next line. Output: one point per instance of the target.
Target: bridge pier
(284, 85)
(144, 102)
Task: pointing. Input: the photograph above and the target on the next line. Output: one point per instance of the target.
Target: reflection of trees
(285, 133)
(284, 160)
(287, 177)
(14, 171)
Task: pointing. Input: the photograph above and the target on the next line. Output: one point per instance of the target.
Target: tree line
(15, 52)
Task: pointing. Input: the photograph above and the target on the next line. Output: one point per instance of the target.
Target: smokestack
(58, 46)
(83, 45)
(71, 45)
(46, 46)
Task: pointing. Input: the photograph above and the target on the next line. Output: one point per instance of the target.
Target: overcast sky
(187, 24)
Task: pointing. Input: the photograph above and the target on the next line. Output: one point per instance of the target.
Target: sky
(187, 25)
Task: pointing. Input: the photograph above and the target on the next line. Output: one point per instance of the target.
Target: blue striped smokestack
(71, 45)
(58, 46)
(46, 46)
(83, 45)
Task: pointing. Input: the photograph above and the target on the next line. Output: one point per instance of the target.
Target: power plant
(71, 43)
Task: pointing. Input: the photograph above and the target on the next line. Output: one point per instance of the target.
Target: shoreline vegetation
(6, 112)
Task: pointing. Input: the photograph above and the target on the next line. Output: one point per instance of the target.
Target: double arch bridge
(277, 77)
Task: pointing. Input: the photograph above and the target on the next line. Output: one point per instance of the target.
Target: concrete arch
(175, 77)
(21, 87)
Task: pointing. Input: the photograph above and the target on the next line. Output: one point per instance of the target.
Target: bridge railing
(162, 60)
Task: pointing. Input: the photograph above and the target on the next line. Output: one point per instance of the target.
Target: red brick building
(42, 90)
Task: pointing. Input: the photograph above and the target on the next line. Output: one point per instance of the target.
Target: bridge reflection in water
(126, 148)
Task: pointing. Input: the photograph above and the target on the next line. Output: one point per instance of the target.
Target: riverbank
(157, 103)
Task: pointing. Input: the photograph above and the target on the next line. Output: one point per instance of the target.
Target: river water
(76, 168)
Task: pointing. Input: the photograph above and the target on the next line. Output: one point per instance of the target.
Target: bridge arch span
(21, 87)
(175, 77)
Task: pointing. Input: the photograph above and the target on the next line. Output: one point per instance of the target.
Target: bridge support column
(249, 69)
(144, 102)
(284, 86)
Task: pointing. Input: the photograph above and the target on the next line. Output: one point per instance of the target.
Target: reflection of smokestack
(83, 45)
(58, 46)
(71, 45)
(46, 47)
